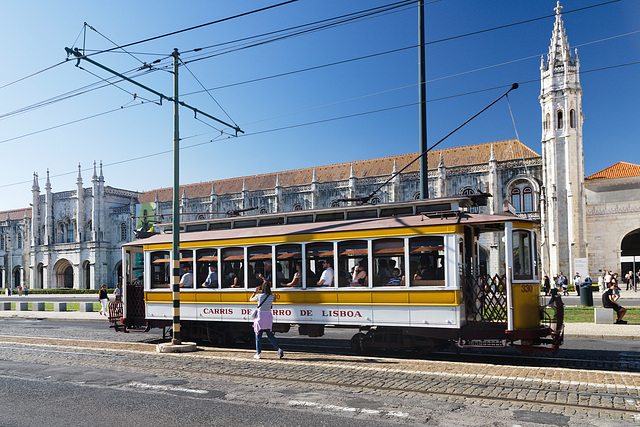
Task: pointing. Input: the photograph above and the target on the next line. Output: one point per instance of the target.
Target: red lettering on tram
(341, 313)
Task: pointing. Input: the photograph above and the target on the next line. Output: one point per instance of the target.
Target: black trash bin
(586, 295)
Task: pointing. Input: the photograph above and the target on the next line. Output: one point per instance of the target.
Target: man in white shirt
(187, 278)
(326, 279)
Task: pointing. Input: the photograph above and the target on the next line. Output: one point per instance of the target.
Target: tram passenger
(326, 279)
(212, 278)
(395, 278)
(359, 277)
(422, 272)
(384, 271)
(186, 281)
(296, 281)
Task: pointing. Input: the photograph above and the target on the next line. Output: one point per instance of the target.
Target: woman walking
(104, 299)
(264, 319)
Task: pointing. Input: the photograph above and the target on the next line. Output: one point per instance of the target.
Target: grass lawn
(71, 306)
(583, 314)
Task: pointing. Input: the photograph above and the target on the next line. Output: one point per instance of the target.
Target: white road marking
(347, 409)
(157, 387)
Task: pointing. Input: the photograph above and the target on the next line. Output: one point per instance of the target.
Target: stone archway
(63, 274)
(630, 252)
(39, 276)
(17, 277)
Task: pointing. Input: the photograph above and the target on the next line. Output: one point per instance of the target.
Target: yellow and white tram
(462, 277)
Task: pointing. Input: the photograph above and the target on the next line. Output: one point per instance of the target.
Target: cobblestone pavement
(416, 391)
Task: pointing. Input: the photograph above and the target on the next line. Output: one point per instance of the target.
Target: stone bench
(86, 307)
(603, 315)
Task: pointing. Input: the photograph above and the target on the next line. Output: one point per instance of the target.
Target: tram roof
(494, 222)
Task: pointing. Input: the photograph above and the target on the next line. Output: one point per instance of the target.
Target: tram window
(299, 219)
(397, 211)
(522, 255)
(287, 257)
(316, 254)
(259, 258)
(388, 255)
(271, 221)
(196, 227)
(372, 213)
(186, 261)
(331, 216)
(205, 260)
(434, 208)
(426, 260)
(245, 223)
(352, 257)
(233, 268)
(160, 269)
(219, 225)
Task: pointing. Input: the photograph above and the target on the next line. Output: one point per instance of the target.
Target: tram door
(133, 289)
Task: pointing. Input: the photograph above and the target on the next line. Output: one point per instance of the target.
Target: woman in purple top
(264, 320)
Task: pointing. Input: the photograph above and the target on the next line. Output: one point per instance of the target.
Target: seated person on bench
(609, 300)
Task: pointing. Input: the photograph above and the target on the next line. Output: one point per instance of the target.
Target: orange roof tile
(15, 214)
(619, 170)
(459, 156)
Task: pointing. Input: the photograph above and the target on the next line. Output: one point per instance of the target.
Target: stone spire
(35, 186)
(47, 185)
(559, 52)
(395, 167)
(101, 177)
(492, 157)
(79, 180)
(213, 189)
(314, 178)
(95, 174)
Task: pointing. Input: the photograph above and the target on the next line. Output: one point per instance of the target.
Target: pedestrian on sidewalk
(104, 299)
(19, 290)
(117, 293)
(264, 319)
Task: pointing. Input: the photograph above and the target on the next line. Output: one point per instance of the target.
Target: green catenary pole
(175, 246)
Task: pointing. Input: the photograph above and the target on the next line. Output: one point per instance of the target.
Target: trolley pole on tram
(175, 228)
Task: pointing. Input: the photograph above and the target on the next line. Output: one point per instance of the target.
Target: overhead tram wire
(209, 93)
(327, 23)
(395, 50)
(195, 27)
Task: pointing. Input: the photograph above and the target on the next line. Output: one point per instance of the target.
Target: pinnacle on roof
(35, 186)
(95, 173)
(559, 52)
(79, 180)
(101, 177)
(47, 186)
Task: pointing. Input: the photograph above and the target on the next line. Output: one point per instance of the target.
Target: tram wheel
(357, 343)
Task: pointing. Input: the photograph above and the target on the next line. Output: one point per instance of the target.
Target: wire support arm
(79, 56)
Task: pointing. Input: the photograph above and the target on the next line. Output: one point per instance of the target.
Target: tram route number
(526, 288)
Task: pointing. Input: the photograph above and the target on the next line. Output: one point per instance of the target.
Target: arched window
(374, 201)
(416, 196)
(572, 119)
(515, 199)
(527, 199)
(1, 242)
(60, 234)
(297, 207)
(466, 191)
(560, 119)
(547, 122)
(335, 204)
(123, 232)
(263, 211)
(19, 240)
(70, 232)
(43, 236)
(199, 218)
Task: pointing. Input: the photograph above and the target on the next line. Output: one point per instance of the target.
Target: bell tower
(563, 203)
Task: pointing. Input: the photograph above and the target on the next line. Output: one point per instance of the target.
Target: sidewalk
(571, 330)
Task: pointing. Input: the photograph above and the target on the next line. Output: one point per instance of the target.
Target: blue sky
(463, 74)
